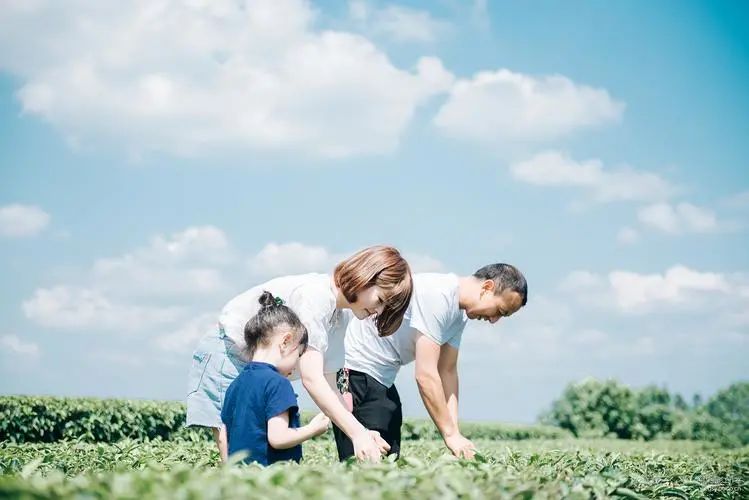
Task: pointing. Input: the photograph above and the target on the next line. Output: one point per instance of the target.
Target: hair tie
(278, 301)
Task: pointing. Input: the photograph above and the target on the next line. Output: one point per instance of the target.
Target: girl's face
(369, 302)
(289, 351)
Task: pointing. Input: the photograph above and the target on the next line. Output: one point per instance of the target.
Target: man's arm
(432, 392)
(448, 370)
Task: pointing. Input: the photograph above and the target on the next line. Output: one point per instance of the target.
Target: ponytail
(272, 314)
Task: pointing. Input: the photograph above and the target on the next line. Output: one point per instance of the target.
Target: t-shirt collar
(260, 365)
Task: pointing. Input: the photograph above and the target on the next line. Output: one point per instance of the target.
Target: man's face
(491, 307)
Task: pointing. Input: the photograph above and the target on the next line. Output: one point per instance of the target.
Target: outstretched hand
(460, 446)
(369, 446)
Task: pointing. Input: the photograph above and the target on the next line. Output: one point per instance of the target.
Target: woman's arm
(366, 445)
(282, 437)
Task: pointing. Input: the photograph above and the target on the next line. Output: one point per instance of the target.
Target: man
(430, 335)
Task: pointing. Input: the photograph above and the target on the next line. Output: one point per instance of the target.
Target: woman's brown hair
(382, 266)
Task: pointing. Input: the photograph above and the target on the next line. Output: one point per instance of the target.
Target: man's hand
(460, 446)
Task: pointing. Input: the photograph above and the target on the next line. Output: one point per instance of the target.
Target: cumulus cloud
(82, 308)
(17, 346)
(553, 168)
(186, 335)
(503, 106)
(142, 290)
(190, 77)
(19, 221)
(627, 236)
(188, 262)
(679, 218)
(638, 293)
(277, 259)
(396, 22)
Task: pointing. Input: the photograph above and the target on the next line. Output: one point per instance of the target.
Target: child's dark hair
(272, 314)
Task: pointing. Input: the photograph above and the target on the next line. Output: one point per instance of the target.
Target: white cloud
(18, 221)
(192, 77)
(503, 106)
(680, 218)
(480, 14)
(633, 291)
(81, 308)
(142, 290)
(552, 168)
(421, 263)
(17, 346)
(397, 23)
(188, 262)
(627, 236)
(277, 259)
(580, 280)
(186, 336)
(636, 293)
(737, 200)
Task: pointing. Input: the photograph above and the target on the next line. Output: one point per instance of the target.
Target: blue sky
(158, 160)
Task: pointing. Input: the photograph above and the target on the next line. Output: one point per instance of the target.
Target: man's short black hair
(505, 277)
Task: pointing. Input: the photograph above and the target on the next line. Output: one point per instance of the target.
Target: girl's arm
(282, 437)
(366, 444)
(222, 442)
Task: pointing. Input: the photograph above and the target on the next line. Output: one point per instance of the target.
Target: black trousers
(378, 408)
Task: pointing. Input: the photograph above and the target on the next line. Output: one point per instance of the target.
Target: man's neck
(467, 288)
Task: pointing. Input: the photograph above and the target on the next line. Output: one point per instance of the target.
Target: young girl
(260, 414)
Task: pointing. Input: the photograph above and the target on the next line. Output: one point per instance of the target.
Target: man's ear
(488, 286)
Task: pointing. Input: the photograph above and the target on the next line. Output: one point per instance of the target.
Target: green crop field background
(80, 448)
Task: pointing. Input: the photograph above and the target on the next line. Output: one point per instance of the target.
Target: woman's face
(369, 302)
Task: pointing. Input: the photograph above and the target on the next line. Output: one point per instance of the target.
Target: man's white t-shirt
(434, 311)
(311, 297)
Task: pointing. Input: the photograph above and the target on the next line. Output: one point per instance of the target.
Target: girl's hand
(320, 423)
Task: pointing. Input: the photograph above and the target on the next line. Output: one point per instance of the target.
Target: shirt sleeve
(456, 332)
(430, 315)
(280, 397)
(227, 409)
(313, 311)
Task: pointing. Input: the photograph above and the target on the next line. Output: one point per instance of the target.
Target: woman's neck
(340, 299)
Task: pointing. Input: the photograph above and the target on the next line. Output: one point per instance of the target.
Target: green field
(569, 468)
(97, 448)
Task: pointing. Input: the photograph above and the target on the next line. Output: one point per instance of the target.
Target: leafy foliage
(594, 408)
(47, 419)
(511, 469)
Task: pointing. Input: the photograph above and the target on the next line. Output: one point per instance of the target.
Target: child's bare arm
(281, 436)
(223, 446)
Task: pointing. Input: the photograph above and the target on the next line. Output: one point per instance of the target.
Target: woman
(375, 281)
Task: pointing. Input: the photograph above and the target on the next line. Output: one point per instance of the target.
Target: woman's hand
(369, 446)
(383, 445)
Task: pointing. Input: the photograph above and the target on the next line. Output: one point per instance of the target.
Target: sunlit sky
(160, 157)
